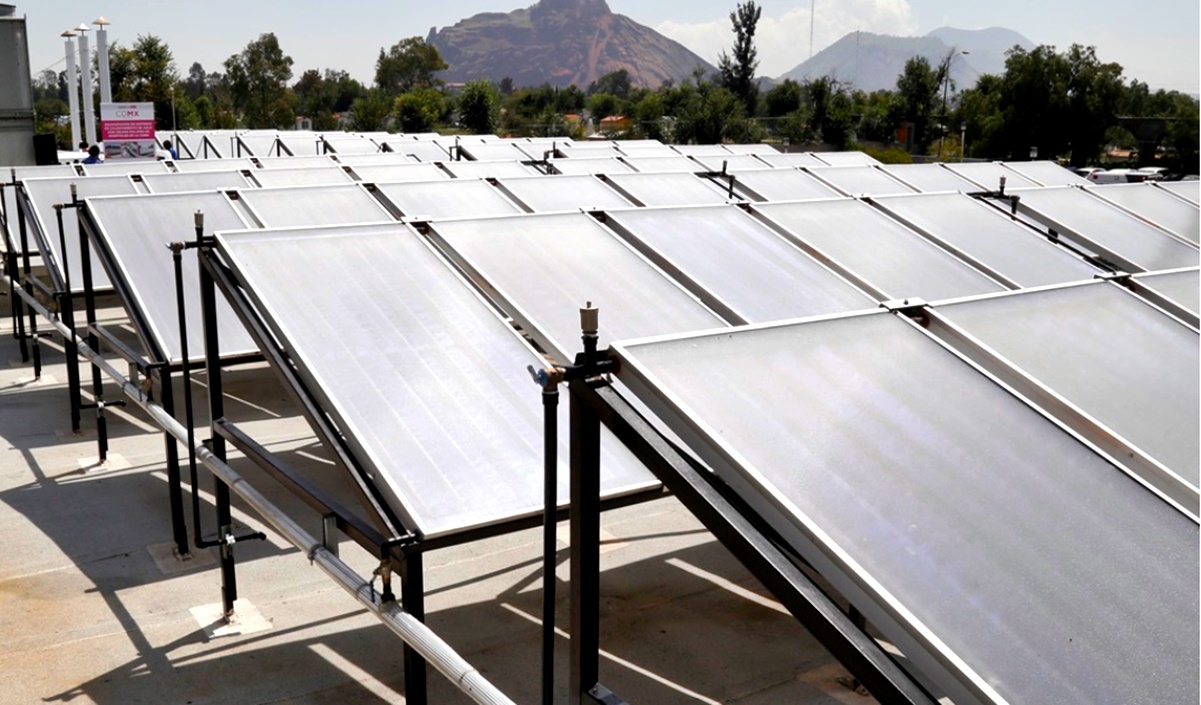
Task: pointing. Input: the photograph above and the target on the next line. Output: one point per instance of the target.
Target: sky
(1156, 42)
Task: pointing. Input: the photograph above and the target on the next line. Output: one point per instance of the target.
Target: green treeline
(1065, 105)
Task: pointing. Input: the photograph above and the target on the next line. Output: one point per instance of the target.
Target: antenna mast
(812, 17)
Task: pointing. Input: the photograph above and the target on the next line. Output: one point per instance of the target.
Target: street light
(946, 85)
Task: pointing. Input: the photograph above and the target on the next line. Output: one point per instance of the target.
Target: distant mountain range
(873, 61)
(560, 42)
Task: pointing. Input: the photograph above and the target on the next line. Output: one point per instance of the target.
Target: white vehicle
(1118, 176)
(1154, 173)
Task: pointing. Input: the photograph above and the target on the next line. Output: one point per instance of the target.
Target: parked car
(1118, 176)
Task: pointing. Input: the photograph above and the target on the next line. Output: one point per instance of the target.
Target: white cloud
(783, 41)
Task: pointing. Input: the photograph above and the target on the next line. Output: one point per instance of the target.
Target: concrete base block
(170, 563)
(246, 619)
(91, 464)
(30, 381)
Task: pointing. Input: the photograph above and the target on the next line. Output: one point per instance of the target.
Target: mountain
(560, 42)
(873, 61)
(987, 46)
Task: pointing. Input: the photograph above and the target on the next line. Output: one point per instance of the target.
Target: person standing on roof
(170, 149)
(93, 155)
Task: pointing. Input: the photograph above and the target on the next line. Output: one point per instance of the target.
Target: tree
(783, 99)
(419, 110)
(408, 64)
(196, 84)
(320, 95)
(616, 83)
(648, 114)
(258, 79)
(603, 105)
(917, 97)
(479, 107)
(738, 71)
(370, 112)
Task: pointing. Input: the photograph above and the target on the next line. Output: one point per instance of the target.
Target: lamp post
(72, 87)
(946, 86)
(106, 90)
(85, 68)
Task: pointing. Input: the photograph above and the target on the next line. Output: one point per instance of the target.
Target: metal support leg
(179, 530)
(67, 313)
(25, 272)
(550, 433)
(212, 351)
(85, 258)
(412, 598)
(229, 576)
(585, 546)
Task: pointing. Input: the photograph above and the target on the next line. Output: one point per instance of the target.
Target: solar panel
(482, 170)
(314, 205)
(702, 150)
(258, 145)
(1154, 205)
(731, 162)
(857, 180)
(118, 167)
(725, 252)
(277, 178)
(44, 193)
(608, 165)
(781, 185)
(783, 161)
(667, 189)
(1184, 288)
(377, 159)
(846, 158)
(545, 194)
(1002, 556)
(422, 150)
(427, 383)
(452, 198)
(503, 151)
(135, 231)
(10, 192)
(1188, 190)
(1070, 338)
(647, 151)
(758, 149)
(309, 162)
(1123, 238)
(1046, 173)
(302, 144)
(929, 178)
(982, 233)
(412, 171)
(190, 165)
(888, 257)
(674, 164)
(559, 266)
(988, 175)
(195, 181)
(350, 145)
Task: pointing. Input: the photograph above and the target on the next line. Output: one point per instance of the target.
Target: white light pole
(963, 142)
(106, 89)
(72, 88)
(85, 65)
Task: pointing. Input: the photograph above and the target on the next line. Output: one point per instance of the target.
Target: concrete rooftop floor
(89, 616)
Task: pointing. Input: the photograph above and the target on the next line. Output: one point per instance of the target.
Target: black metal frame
(593, 402)
(398, 547)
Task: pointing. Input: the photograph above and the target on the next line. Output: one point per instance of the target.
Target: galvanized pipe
(411, 630)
